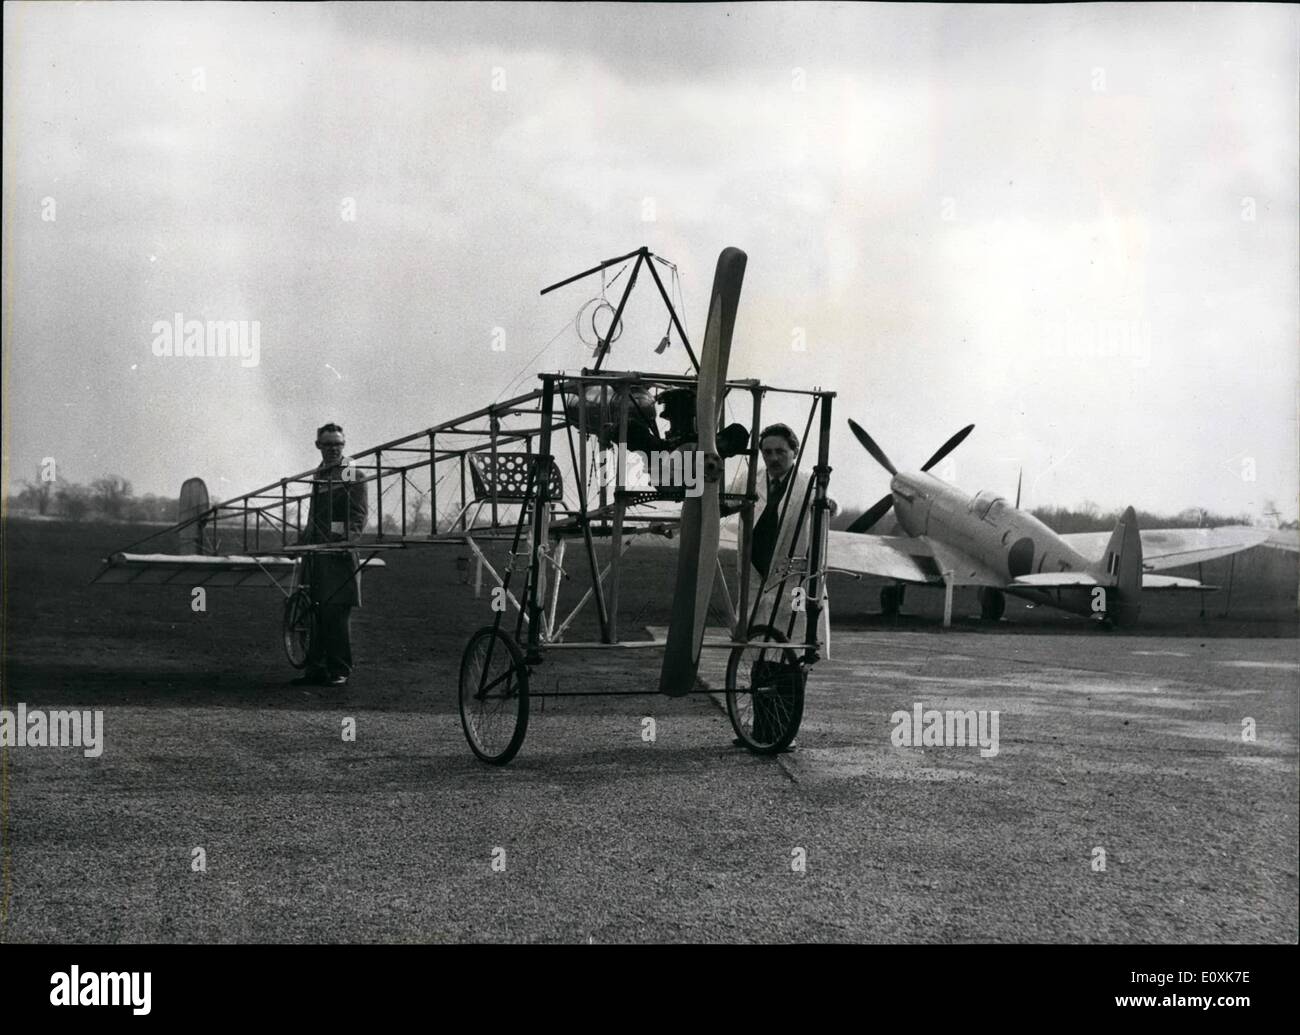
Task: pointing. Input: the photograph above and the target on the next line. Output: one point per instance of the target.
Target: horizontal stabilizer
(1062, 579)
(1159, 582)
(1055, 580)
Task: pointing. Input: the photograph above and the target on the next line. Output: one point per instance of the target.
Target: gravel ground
(1127, 743)
(1112, 744)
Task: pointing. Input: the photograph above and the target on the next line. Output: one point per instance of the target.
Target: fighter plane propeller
(885, 504)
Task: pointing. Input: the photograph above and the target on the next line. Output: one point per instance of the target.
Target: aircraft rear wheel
(765, 691)
(493, 695)
(297, 627)
(993, 604)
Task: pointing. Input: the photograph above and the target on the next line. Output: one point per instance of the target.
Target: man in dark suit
(779, 446)
(337, 513)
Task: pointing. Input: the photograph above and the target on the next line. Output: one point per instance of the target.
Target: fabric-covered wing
(155, 569)
(1164, 548)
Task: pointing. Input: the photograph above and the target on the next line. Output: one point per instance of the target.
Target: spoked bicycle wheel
(765, 688)
(493, 695)
(299, 618)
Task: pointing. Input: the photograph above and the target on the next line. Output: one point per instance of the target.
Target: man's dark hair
(780, 431)
(328, 427)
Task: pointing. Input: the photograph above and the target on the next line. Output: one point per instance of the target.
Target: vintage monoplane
(524, 471)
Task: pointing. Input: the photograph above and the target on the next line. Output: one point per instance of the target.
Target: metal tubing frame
(603, 350)
(536, 507)
(745, 545)
(539, 475)
(817, 544)
(672, 314)
(780, 523)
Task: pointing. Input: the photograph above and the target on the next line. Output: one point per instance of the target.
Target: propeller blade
(878, 510)
(698, 535)
(949, 446)
(870, 446)
(1019, 478)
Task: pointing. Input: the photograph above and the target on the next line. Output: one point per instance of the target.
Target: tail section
(1120, 573)
(193, 502)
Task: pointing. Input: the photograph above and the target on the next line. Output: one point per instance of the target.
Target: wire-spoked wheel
(493, 695)
(298, 626)
(765, 688)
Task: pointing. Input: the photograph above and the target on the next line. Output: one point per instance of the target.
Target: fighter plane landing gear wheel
(765, 690)
(493, 695)
(891, 600)
(993, 604)
(298, 627)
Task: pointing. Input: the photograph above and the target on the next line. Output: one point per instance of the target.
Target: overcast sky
(1074, 226)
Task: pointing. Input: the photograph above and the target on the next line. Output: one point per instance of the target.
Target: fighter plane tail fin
(1120, 569)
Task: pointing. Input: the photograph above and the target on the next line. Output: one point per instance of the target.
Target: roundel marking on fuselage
(1020, 558)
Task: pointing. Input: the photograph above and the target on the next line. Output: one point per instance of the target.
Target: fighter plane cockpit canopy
(987, 504)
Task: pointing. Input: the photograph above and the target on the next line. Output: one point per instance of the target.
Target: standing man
(337, 513)
(779, 446)
(780, 499)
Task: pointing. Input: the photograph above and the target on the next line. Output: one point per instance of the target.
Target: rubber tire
(466, 694)
(295, 632)
(764, 633)
(891, 601)
(993, 604)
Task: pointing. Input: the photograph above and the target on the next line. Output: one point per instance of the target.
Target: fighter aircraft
(953, 539)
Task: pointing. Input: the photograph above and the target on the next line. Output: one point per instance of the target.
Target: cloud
(941, 202)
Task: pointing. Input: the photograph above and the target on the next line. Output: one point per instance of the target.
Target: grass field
(1124, 740)
(418, 614)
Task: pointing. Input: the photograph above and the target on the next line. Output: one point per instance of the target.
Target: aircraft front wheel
(298, 626)
(493, 695)
(765, 691)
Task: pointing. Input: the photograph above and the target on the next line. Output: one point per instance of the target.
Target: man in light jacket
(337, 513)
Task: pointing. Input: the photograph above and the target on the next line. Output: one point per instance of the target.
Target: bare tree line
(110, 498)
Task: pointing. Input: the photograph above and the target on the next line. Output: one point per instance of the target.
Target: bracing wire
(523, 371)
(679, 300)
(604, 286)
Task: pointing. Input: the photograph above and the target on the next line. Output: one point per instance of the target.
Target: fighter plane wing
(898, 558)
(1164, 548)
(903, 559)
(962, 569)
